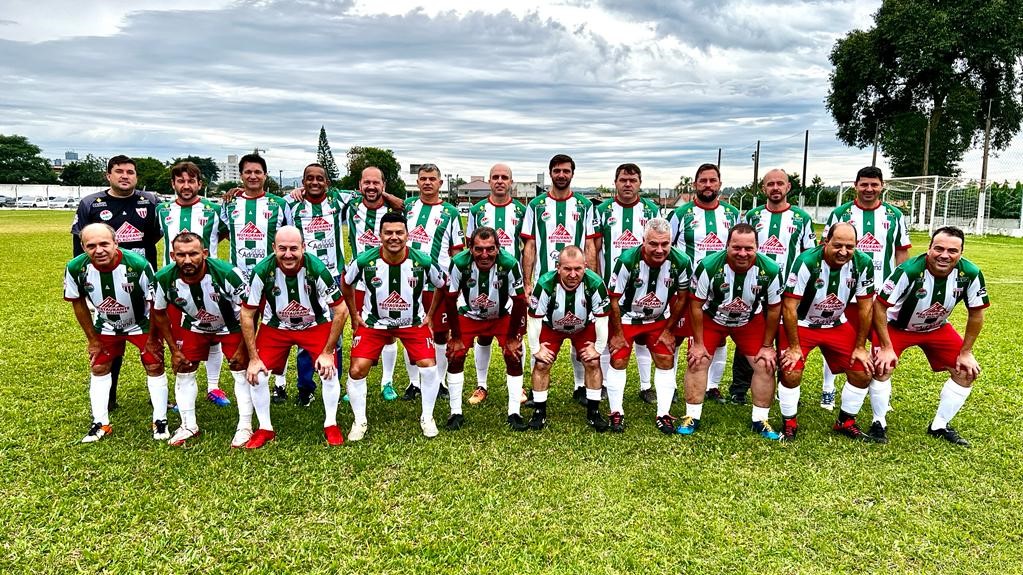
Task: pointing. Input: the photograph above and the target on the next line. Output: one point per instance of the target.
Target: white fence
(39, 195)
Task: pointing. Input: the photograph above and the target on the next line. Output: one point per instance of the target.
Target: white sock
(243, 397)
(829, 380)
(431, 386)
(616, 390)
(185, 392)
(455, 383)
(788, 400)
(99, 395)
(331, 396)
(514, 391)
(261, 401)
(389, 357)
(413, 371)
(644, 361)
(593, 394)
(481, 354)
(539, 396)
(717, 367)
(852, 398)
(357, 398)
(279, 380)
(213, 364)
(442, 362)
(605, 364)
(578, 371)
(952, 398)
(158, 395)
(761, 413)
(694, 410)
(664, 387)
(880, 398)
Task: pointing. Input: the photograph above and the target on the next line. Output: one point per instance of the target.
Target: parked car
(27, 202)
(63, 202)
(7, 201)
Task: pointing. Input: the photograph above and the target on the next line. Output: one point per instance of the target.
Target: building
(228, 170)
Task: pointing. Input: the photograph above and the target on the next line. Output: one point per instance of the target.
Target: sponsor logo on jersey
(793, 280)
(611, 220)
(471, 282)
(560, 235)
(88, 287)
(368, 238)
(142, 212)
(569, 320)
(275, 291)
(772, 246)
(204, 316)
(888, 286)
(169, 219)
(483, 302)
(504, 239)
(725, 286)
(419, 236)
(251, 232)
(112, 306)
(737, 305)
(626, 240)
(376, 282)
(324, 244)
(319, 224)
(935, 311)
(128, 233)
(533, 301)
(818, 283)
(545, 215)
(868, 243)
(921, 293)
(394, 302)
(711, 243)
(105, 215)
(252, 253)
(649, 300)
(830, 303)
(638, 282)
(293, 310)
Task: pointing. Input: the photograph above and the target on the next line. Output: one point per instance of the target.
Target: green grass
(485, 499)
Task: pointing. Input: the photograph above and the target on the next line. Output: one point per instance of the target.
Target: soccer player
(553, 221)
(207, 294)
(736, 293)
(189, 212)
(824, 281)
(118, 284)
(485, 296)
(296, 297)
(620, 223)
(913, 309)
(884, 237)
(697, 228)
(395, 277)
(504, 214)
(561, 304)
(651, 282)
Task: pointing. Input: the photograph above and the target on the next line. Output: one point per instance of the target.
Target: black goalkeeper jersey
(133, 218)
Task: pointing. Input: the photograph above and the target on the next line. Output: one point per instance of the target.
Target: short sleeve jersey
(731, 299)
(434, 229)
(133, 218)
(119, 295)
(201, 217)
(251, 225)
(394, 292)
(919, 302)
(363, 225)
(554, 224)
(880, 231)
(824, 292)
(621, 228)
(293, 302)
(505, 219)
(645, 290)
(782, 236)
(208, 306)
(485, 296)
(698, 231)
(567, 311)
(320, 224)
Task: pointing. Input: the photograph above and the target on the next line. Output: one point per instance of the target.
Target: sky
(664, 84)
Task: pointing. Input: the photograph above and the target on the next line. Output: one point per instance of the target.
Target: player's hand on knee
(325, 365)
(252, 372)
(967, 365)
(863, 356)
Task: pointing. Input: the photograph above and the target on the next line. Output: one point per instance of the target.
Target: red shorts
(836, 343)
(440, 317)
(113, 346)
(645, 334)
(418, 341)
(941, 346)
(360, 299)
(274, 344)
(196, 346)
(579, 340)
(748, 338)
(682, 328)
(472, 328)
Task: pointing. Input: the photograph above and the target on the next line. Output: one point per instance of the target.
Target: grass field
(485, 499)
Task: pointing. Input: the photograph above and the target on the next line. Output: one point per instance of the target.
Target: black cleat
(789, 428)
(529, 403)
(849, 429)
(595, 420)
(305, 398)
(112, 405)
(411, 393)
(949, 434)
(648, 396)
(538, 421)
(665, 424)
(516, 423)
(714, 394)
(579, 395)
(879, 433)
(737, 399)
(443, 392)
(455, 422)
(617, 422)
(279, 394)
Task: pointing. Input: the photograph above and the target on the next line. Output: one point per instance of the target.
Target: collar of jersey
(862, 207)
(426, 203)
(292, 274)
(570, 196)
(510, 200)
(196, 201)
(244, 197)
(768, 208)
(369, 207)
(322, 199)
(397, 263)
(717, 202)
(626, 205)
(117, 261)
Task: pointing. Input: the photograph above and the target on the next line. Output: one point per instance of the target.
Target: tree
(208, 167)
(325, 157)
(21, 162)
(930, 64)
(225, 186)
(152, 174)
(360, 157)
(89, 171)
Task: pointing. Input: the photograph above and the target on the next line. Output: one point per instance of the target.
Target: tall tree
(360, 157)
(935, 64)
(325, 157)
(152, 175)
(21, 162)
(208, 167)
(89, 171)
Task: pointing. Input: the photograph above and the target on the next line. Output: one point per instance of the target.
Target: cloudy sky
(661, 83)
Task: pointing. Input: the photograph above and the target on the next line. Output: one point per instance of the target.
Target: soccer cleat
(828, 400)
(538, 420)
(160, 432)
(358, 431)
(181, 435)
(789, 428)
(279, 394)
(479, 395)
(411, 393)
(764, 429)
(241, 437)
(878, 433)
(714, 394)
(305, 398)
(218, 397)
(455, 422)
(527, 399)
(387, 392)
(516, 423)
(648, 396)
(687, 426)
(595, 420)
(96, 432)
(737, 399)
(579, 395)
(260, 438)
(429, 427)
(442, 393)
(949, 434)
(345, 398)
(333, 435)
(616, 421)
(849, 429)
(665, 424)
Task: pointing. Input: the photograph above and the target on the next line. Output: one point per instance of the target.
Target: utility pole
(756, 167)
(873, 159)
(280, 179)
(927, 145)
(719, 158)
(806, 152)
(987, 147)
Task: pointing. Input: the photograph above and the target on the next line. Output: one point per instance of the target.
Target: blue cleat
(763, 428)
(218, 398)
(687, 426)
(388, 393)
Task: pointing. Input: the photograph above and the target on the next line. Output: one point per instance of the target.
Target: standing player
(650, 286)
(485, 296)
(118, 284)
(395, 277)
(736, 293)
(561, 305)
(697, 228)
(620, 223)
(913, 309)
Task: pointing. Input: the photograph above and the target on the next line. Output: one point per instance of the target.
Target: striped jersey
(621, 228)
(434, 229)
(251, 225)
(919, 302)
(201, 217)
(567, 311)
(485, 296)
(698, 231)
(119, 295)
(782, 236)
(505, 219)
(731, 298)
(363, 225)
(293, 302)
(554, 224)
(320, 224)
(394, 292)
(646, 291)
(879, 231)
(209, 306)
(825, 292)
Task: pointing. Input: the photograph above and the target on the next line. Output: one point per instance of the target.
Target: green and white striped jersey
(621, 228)
(394, 292)
(505, 219)
(554, 224)
(646, 291)
(731, 298)
(252, 224)
(320, 224)
(120, 295)
(824, 292)
(210, 305)
(434, 229)
(485, 297)
(698, 231)
(568, 311)
(363, 225)
(293, 302)
(880, 231)
(782, 236)
(201, 216)
(919, 302)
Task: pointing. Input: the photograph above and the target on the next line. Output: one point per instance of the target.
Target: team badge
(88, 287)
(376, 282)
(142, 212)
(128, 287)
(105, 215)
(471, 283)
(268, 214)
(921, 293)
(575, 216)
(545, 215)
(638, 282)
(276, 291)
(819, 283)
(725, 286)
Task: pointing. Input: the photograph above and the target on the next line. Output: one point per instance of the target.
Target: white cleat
(96, 432)
(358, 432)
(429, 426)
(160, 432)
(241, 437)
(182, 434)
